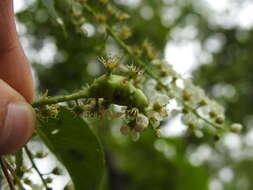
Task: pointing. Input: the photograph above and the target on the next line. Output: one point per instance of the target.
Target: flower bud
(135, 135)
(125, 129)
(236, 127)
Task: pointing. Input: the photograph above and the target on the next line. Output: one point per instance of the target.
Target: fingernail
(18, 127)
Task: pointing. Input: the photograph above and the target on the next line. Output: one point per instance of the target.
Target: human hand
(17, 117)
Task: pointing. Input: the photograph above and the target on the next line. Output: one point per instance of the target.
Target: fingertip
(17, 128)
(17, 119)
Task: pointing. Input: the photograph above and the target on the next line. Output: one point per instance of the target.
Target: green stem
(195, 112)
(54, 100)
(30, 156)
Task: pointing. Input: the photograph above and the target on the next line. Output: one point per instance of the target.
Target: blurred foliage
(151, 163)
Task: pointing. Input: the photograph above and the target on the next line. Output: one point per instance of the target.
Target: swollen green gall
(118, 90)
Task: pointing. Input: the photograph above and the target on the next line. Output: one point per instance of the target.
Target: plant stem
(29, 154)
(54, 100)
(17, 179)
(195, 112)
(7, 174)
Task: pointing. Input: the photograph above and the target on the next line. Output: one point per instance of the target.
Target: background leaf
(76, 146)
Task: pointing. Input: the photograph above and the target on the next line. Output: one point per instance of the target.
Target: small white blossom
(135, 135)
(194, 93)
(190, 120)
(158, 133)
(142, 120)
(155, 123)
(213, 110)
(165, 68)
(198, 133)
(162, 99)
(175, 92)
(157, 106)
(125, 129)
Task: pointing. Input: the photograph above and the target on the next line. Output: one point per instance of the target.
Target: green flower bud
(49, 180)
(236, 127)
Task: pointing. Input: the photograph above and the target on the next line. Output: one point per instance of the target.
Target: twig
(7, 174)
(17, 179)
(54, 100)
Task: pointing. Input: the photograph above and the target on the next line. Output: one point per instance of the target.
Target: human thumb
(17, 119)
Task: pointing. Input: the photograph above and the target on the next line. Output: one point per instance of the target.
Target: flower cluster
(196, 108)
(47, 111)
(134, 123)
(155, 77)
(123, 99)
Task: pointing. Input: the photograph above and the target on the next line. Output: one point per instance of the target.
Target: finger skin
(14, 67)
(17, 120)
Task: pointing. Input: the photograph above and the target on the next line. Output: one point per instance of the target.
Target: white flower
(175, 92)
(190, 120)
(150, 87)
(198, 133)
(158, 104)
(125, 129)
(213, 110)
(217, 108)
(165, 68)
(154, 123)
(158, 133)
(161, 98)
(193, 94)
(141, 122)
(135, 135)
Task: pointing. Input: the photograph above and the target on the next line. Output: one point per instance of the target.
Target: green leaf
(76, 146)
(50, 5)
